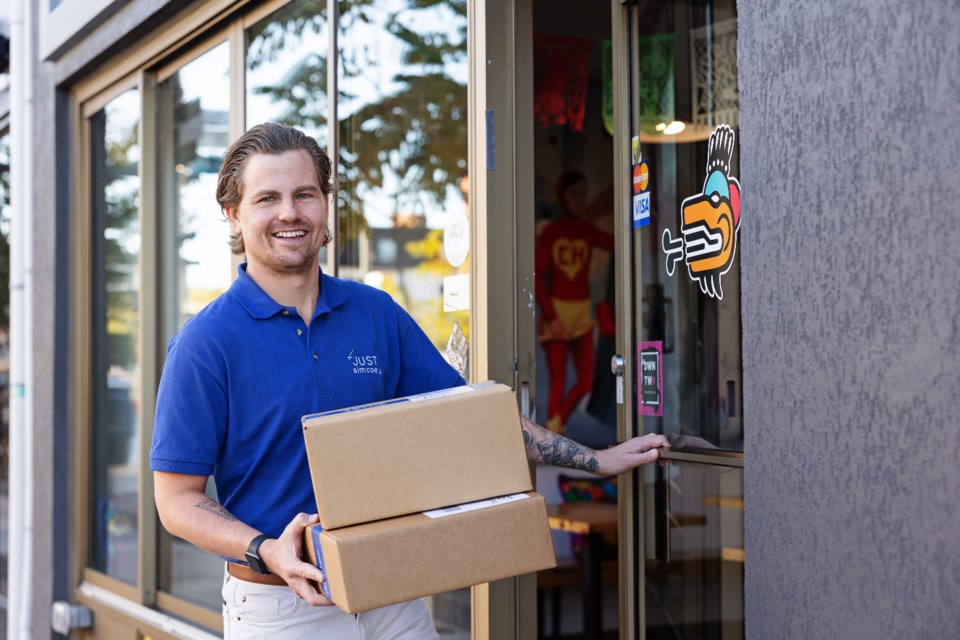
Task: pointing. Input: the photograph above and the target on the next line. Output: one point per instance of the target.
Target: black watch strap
(253, 555)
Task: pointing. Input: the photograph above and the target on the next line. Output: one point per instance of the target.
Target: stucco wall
(850, 125)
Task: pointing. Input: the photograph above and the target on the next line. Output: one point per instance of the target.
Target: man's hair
(273, 139)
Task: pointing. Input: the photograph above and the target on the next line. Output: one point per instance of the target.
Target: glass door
(684, 349)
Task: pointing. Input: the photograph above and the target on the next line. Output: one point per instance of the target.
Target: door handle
(661, 514)
(616, 365)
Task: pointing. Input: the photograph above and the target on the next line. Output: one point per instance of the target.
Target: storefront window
(114, 161)
(403, 160)
(286, 74)
(194, 110)
(403, 165)
(4, 367)
(290, 45)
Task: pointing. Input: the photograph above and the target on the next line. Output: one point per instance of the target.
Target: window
(4, 364)
(115, 272)
(159, 252)
(193, 113)
(289, 44)
(403, 157)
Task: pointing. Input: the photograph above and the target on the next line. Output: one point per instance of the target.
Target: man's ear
(231, 215)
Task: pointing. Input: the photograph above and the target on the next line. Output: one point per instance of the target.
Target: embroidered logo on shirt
(364, 364)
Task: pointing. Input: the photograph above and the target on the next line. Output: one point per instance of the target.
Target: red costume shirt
(563, 258)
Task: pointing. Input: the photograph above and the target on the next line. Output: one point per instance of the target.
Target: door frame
(501, 202)
(630, 505)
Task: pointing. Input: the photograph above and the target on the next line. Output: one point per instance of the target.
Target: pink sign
(650, 378)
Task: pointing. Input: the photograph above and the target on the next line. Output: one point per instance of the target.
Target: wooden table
(592, 520)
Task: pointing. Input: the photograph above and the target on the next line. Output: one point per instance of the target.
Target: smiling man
(285, 341)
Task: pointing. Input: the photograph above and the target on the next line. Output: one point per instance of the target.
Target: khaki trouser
(261, 611)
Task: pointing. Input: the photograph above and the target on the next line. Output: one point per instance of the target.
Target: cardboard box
(413, 454)
(379, 563)
(378, 470)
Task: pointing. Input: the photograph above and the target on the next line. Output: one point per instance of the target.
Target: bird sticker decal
(710, 221)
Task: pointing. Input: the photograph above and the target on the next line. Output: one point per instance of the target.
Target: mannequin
(563, 292)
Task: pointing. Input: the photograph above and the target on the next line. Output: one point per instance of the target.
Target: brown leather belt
(245, 573)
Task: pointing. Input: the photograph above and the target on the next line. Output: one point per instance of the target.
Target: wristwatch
(253, 555)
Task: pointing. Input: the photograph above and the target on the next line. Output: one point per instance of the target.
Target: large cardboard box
(379, 563)
(417, 453)
(422, 495)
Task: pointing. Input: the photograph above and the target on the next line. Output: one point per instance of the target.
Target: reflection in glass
(286, 75)
(4, 357)
(286, 71)
(403, 163)
(194, 110)
(115, 191)
(699, 592)
(684, 53)
(403, 157)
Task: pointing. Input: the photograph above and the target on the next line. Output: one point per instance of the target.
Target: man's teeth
(290, 234)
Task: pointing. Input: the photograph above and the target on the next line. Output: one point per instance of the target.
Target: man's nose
(288, 210)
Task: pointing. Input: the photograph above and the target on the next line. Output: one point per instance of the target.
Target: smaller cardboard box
(388, 561)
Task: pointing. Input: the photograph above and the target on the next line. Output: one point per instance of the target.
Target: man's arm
(549, 448)
(189, 513)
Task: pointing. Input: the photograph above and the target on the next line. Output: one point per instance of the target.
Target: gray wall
(850, 121)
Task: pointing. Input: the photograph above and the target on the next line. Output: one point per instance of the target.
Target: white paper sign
(456, 239)
(456, 292)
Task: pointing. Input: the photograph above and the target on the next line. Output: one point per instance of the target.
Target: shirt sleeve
(191, 417)
(423, 369)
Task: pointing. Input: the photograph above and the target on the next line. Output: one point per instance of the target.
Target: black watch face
(255, 563)
(253, 555)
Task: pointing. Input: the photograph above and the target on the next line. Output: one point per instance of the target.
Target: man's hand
(630, 454)
(282, 557)
(549, 448)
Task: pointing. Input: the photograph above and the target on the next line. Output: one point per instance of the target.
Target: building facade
(802, 359)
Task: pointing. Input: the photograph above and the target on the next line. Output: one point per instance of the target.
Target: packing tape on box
(318, 560)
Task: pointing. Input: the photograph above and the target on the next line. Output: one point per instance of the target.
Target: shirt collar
(261, 306)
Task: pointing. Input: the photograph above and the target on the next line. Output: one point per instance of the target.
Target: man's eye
(266, 199)
(304, 196)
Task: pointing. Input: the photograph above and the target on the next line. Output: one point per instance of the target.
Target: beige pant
(259, 611)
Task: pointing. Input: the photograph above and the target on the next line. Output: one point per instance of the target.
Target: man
(279, 344)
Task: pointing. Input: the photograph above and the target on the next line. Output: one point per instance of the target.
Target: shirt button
(286, 312)
(315, 357)
(299, 332)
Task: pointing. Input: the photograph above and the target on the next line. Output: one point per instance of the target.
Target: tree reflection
(408, 141)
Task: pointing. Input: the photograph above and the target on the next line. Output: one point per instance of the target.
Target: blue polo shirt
(241, 373)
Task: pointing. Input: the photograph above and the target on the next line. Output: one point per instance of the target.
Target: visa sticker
(641, 209)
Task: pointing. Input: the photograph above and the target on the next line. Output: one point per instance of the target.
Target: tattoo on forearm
(527, 438)
(211, 506)
(563, 452)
